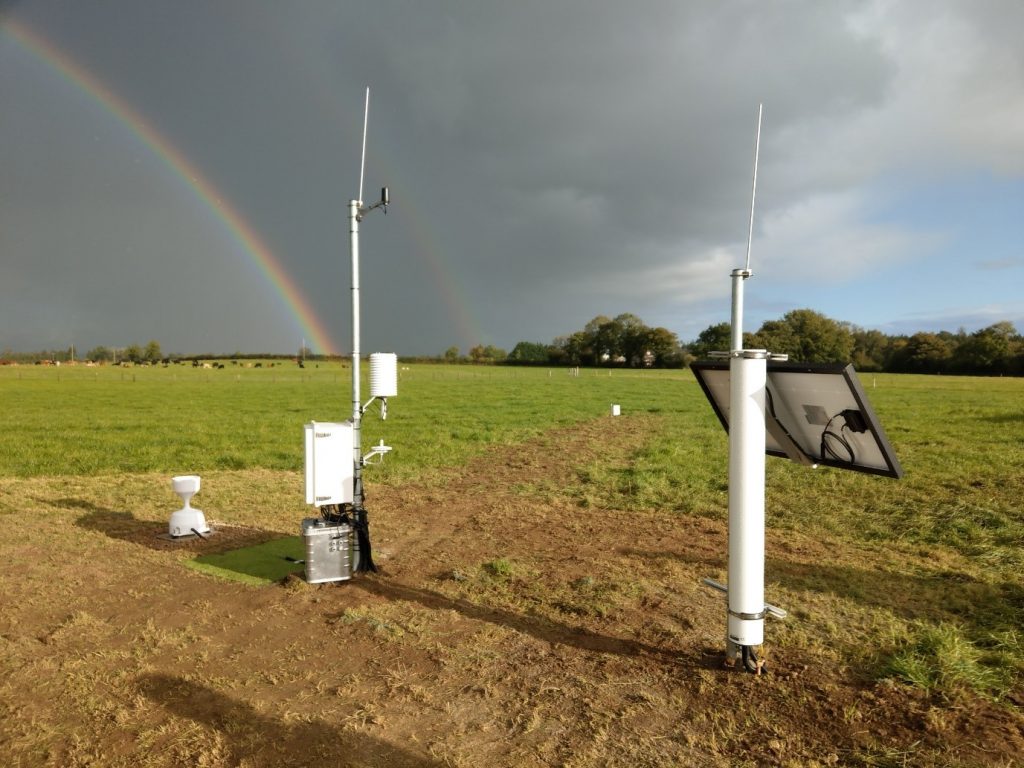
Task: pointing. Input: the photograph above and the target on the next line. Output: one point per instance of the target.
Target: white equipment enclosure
(329, 468)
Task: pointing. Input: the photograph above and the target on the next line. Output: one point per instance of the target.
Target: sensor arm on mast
(383, 406)
(385, 200)
(378, 450)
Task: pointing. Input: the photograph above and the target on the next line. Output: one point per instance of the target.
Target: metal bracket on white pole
(383, 406)
(772, 610)
(377, 450)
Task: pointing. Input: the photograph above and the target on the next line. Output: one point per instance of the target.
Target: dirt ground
(508, 626)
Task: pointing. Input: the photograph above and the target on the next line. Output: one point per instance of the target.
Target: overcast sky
(548, 162)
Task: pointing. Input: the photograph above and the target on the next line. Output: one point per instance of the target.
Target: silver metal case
(328, 550)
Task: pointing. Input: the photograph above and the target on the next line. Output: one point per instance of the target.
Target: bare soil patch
(508, 625)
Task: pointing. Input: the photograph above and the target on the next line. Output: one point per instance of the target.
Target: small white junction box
(330, 462)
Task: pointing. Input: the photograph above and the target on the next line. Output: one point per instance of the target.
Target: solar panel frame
(800, 396)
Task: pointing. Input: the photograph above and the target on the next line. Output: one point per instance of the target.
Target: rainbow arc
(241, 231)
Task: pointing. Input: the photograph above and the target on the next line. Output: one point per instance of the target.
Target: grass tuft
(501, 568)
(941, 661)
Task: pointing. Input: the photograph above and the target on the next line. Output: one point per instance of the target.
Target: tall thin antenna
(362, 160)
(753, 192)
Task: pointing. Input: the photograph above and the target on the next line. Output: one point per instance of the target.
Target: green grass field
(943, 614)
(960, 440)
(86, 421)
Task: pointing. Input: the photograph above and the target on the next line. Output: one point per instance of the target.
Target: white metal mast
(748, 376)
(356, 212)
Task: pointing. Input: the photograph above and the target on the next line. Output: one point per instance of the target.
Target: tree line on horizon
(805, 335)
(149, 354)
(625, 341)
(133, 353)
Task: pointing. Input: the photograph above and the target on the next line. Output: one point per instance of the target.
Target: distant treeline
(626, 342)
(808, 336)
(151, 354)
(803, 334)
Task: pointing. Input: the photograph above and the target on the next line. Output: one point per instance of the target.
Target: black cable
(750, 661)
(827, 451)
(362, 527)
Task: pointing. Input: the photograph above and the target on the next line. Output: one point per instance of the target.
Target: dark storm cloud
(548, 161)
(570, 144)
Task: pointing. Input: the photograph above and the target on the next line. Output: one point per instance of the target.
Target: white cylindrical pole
(736, 328)
(357, 410)
(748, 373)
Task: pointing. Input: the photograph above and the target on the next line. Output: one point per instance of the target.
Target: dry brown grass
(508, 626)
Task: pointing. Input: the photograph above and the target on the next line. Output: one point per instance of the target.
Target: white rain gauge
(338, 542)
(187, 521)
(812, 414)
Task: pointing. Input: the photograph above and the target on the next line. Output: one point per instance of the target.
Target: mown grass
(947, 610)
(88, 421)
(939, 658)
(941, 614)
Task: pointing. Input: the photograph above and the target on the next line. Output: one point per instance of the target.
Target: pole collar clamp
(748, 616)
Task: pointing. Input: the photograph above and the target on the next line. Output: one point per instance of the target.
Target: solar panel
(814, 414)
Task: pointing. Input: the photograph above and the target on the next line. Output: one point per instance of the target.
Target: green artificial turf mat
(260, 564)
